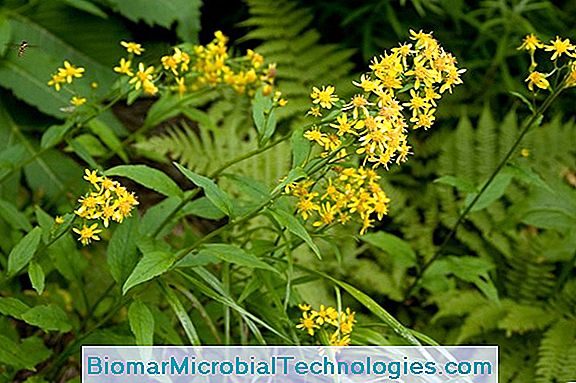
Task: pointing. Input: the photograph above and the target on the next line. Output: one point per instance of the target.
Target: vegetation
(193, 174)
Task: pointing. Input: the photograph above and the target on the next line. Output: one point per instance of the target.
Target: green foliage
(215, 254)
(289, 39)
(164, 13)
(212, 143)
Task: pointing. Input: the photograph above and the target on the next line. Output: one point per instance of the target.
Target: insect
(22, 47)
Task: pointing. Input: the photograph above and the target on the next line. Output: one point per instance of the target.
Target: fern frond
(522, 318)
(558, 343)
(529, 280)
(289, 40)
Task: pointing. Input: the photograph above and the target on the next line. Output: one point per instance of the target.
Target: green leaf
(263, 115)
(151, 178)
(301, 147)
(458, 183)
(220, 199)
(167, 106)
(194, 259)
(87, 6)
(13, 307)
(288, 221)
(55, 134)
(35, 350)
(375, 308)
(523, 98)
(5, 34)
(48, 317)
(527, 175)
(105, 133)
(293, 176)
(157, 215)
(55, 40)
(469, 269)
(494, 191)
(12, 354)
(202, 207)
(122, 253)
(151, 265)
(393, 245)
(45, 221)
(164, 13)
(212, 288)
(23, 252)
(182, 315)
(234, 254)
(84, 147)
(549, 218)
(14, 217)
(141, 323)
(36, 275)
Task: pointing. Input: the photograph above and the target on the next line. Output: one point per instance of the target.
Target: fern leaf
(557, 343)
(288, 39)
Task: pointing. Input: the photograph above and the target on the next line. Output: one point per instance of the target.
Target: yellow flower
(92, 177)
(337, 341)
(88, 234)
(307, 323)
(143, 76)
(424, 119)
(256, 59)
(109, 201)
(70, 71)
(525, 152)
(538, 79)
(315, 111)
(358, 102)
(124, 67)
(366, 83)
(149, 88)
(181, 85)
(325, 315)
(324, 97)
(316, 135)
(327, 215)
(132, 47)
(77, 101)
(417, 103)
(56, 81)
(531, 43)
(559, 47)
(170, 63)
(344, 126)
(306, 205)
(58, 220)
(304, 307)
(571, 79)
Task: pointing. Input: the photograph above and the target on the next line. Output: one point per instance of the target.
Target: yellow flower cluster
(107, 201)
(208, 65)
(338, 325)
(400, 92)
(65, 75)
(347, 192)
(562, 49)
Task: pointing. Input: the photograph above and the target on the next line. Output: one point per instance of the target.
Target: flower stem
(440, 251)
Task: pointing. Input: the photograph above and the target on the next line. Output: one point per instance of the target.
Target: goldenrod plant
(284, 186)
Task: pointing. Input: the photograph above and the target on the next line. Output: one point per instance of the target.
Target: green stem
(215, 174)
(440, 251)
(36, 154)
